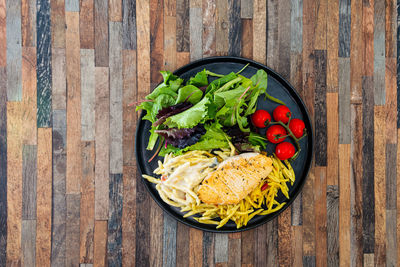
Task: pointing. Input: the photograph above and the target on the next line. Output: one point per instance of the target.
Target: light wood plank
(332, 205)
(369, 260)
(298, 245)
(379, 54)
(3, 166)
(247, 38)
(344, 101)
(58, 23)
(248, 244)
(156, 234)
(115, 10)
(59, 92)
(391, 100)
(356, 58)
(182, 248)
(195, 28)
(29, 179)
(285, 238)
(333, 138)
(72, 5)
(73, 73)
(86, 24)
(72, 230)
(368, 37)
(398, 195)
(88, 98)
(209, 28)
(259, 25)
(344, 207)
(246, 11)
(182, 25)
(3, 34)
(129, 216)
(309, 215)
(169, 241)
(320, 42)
(100, 243)
(391, 249)
(143, 47)
(156, 40)
(169, 43)
(296, 26)
(44, 197)
(221, 248)
(28, 242)
(234, 258)
(321, 247)
(28, 17)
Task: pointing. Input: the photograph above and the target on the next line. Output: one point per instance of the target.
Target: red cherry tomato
(281, 113)
(284, 150)
(276, 134)
(260, 117)
(297, 127)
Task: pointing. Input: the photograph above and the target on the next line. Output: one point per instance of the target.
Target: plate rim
(310, 158)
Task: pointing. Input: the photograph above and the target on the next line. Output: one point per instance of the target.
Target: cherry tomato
(260, 117)
(281, 113)
(284, 150)
(276, 134)
(297, 127)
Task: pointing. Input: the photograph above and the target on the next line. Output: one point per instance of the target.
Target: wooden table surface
(70, 192)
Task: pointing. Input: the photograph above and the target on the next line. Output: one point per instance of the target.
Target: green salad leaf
(189, 93)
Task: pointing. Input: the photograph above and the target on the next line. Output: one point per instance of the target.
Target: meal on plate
(207, 129)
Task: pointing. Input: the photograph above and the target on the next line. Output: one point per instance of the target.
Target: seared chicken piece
(235, 178)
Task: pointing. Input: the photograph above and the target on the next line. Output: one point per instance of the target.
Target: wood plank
(259, 25)
(14, 52)
(14, 181)
(297, 211)
(391, 190)
(72, 5)
(298, 245)
(169, 241)
(86, 24)
(234, 258)
(87, 95)
(129, 24)
(182, 58)
(208, 248)
(156, 234)
(195, 247)
(59, 92)
(320, 42)
(72, 230)
(73, 72)
(368, 166)
(129, 96)
(284, 44)
(101, 33)
(3, 34)
(58, 23)
(170, 8)
(114, 244)
(59, 206)
(332, 37)
(248, 240)
(368, 37)
(356, 58)
(356, 180)
(28, 242)
(391, 100)
(29, 96)
(182, 26)
(102, 137)
(332, 225)
(43, 62)
(182, 248)
(209, 28)
(369, 260)
(235, 28)
(344, 101)
(195, 26)
(3, 165)
(321, 246)
(29, 179)
(391, 246)
(116, 92)
(247, 38)
(380, 184)
(398, 195)
(271, 24)
(100, 243)
(296, 26)
(309, 261)
(309, 215)
(221, 248)
(87, 203)
(344, 207)
(115, 10)
(285, 239)
(169, 56)
(246, 12)
(379, 53)
(44, 197)
(129, 216)
(390, 28)
(28, 21)
(269, 233)
(344, 28)
(320, 109)
(156, 41)
(332, 119)
(143, 224)
(222, 28)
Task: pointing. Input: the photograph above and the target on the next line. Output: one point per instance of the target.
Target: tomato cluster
(284, 126)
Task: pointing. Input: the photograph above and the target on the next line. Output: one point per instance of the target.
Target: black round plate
(277, 87)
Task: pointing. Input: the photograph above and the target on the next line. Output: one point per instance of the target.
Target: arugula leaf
(162, 89)
(168, 76)
(189, 90)
(214, 85)
(252, 106)
(199, 80)
(260, 79)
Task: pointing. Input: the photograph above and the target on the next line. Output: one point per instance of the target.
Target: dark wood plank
(344, 101)
(28, 21)
(156, 234)
(72, 230)
(309, 215)
(309, 261)
(270, 234)
(368, 37)
(114, 244)
(195, 247)
(44, 197)
(368, 198)
(321, 246)
(390, 36)
(58, 23)
(379, 53)
(285, 239)
(100, 243)
(248, 244)
(182, 248)
(391, 246)
(169, 241)
(129, 24)
(356, 53)
(142, 225)
(332, 119)
(298, 245)
(391, 191)
(332, 225)
(247, 38)
(156, 40)
(3, 35)
(235, 28)
(296, 26)
(209, 24)
(182, 26)
(3, 165)
(86, 24)
(391, 100)
(129, 216)
(320, 109)
(344, 207)
(101, 33)
(344, 28)
(269, 21)
(59, 207)
(29, 167)
(28, 242)
(87, 203)
(44, 75)
(284, 38)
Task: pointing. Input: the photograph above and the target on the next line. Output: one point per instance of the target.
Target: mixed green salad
(200, 114)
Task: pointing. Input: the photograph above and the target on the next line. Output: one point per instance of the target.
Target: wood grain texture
(246, 11)
(222, 27)
(368, 37)
(3, 34)
(29, 96)
(320, 42)
(259, 25)
(285, 239)
(169, 241)
(59, 207)
(356, 59)
(332, 119)
(88, 99)
(115, 10)
(182, 26)
(28, 242)
(59, 92)
(379, 53)
(86, 24)
(114, 244)
(29, 179)
(44, 197)
(102, 138)
(391, 100)
(308, 215)
(332, 225)
(182, 248)
(28, 23)
(58, 23)
(3, 165)
(390, 28)
(391, 246)
(332, 41)
(209, 28)
(156, 40)
(296, 26)
(72, 5)
(72, 229)
(268, 233)
(156, 234)
(195, 247)
(221, 248)
(344, 28)
(101, 33)
(73, 73)
(169, 56)
(391, 190)
(195, 27)
(272, 31)
(344, 101)
(86, 224)
(248, 240)
(321, 246)
(100, 243)
(129, 24)
(247, 38)
(235, 28)
(129, 216)
(234, 258)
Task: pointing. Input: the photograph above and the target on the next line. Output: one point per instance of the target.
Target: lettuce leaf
(191, 91)
(200, 79)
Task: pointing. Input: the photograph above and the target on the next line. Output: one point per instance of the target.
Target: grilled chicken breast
(235, 178)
